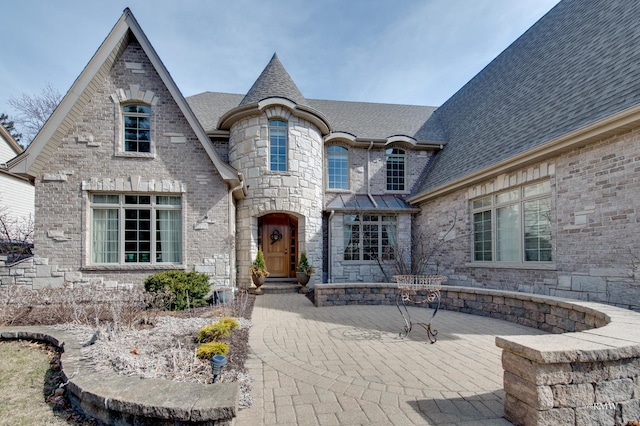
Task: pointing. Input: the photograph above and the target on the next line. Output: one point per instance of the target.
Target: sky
(416, 52)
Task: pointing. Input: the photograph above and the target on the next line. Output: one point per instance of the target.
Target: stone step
(280, 287)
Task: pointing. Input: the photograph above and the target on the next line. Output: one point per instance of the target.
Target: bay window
(369, 237)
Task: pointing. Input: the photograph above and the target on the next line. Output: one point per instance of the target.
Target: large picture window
(137, 128)
(514, 225)
(338, 164)
(369, 237)
(277, 145)
(136, 229)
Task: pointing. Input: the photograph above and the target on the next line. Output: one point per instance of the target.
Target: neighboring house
(526, 179)
(16, 192)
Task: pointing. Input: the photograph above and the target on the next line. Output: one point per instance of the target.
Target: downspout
(329, 276)
(373, 201)
(232, 228)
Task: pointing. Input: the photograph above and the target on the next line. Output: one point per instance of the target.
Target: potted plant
(304, 270)
(258, 270)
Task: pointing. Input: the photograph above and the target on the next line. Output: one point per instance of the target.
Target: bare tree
(34, 110)
(16, 236)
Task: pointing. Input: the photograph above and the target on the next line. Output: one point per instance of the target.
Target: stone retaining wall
(587, 372)
(124, 400)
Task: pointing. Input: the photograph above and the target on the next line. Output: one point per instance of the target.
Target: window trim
(389, 153)
(346, 153)
(492, 204)
(272, 126)
(121, 206)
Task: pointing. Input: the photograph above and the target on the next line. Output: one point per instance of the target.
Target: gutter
(373, 201)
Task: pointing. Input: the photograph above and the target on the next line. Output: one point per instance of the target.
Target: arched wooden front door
(279, 241)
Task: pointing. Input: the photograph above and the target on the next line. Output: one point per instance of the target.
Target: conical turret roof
(274, 81)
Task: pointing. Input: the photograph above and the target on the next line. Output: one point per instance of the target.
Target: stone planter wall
(124, 400)
(587, 372)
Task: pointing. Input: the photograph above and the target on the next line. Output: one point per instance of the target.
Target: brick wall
(595, 221)
(88, 159)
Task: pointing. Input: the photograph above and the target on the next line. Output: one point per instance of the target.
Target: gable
(65, 117)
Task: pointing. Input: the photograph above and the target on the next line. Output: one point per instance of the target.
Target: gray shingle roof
(578, 64)
(361, 119)
(274, 81)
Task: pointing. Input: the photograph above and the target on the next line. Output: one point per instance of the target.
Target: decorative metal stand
(419, 290)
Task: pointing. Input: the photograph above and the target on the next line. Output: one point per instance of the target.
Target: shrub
(189, 288)
(207, 350)
(217, 330)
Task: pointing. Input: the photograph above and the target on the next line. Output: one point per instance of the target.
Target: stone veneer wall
(588, 373)
(90, 159)
(595, 218)
(297, 192)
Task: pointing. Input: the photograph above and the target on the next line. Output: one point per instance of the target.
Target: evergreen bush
(189, 288)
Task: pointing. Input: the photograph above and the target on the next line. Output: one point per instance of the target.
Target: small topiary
(189, 288)
(207, 350)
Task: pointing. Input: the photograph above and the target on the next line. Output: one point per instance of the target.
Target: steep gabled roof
(31, 162)
(576, 67)
(274, 82)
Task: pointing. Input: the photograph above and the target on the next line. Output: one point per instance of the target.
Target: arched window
(338, 164)
(396, 169)
(277, 145)
(137, 128)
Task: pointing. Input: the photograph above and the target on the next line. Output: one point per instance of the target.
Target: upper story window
(136, 229)
(514, 225)
(338, 165)
(396, 169)
(277, 145)
(137, 128)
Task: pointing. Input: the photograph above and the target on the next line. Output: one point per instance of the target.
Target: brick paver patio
(347, 365)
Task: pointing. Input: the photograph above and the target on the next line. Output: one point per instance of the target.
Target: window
(338, 158)
(278, 145)
(369, 237)
(514, 225)
(136, 229)
(137, 128)
(395, 169)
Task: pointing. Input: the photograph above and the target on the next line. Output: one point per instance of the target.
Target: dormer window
(396, 169)
(137, 128)
(277, 145)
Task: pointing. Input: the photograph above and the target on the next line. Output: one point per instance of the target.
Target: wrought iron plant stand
(419, 290)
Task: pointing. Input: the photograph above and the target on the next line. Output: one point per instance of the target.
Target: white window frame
(344, 155)
(398, 183)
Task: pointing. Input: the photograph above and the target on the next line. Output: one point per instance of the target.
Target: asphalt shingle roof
(361, 119)
(274, 81)
(580, 63)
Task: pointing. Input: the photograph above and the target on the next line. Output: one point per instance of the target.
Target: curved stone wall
(587, 372)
